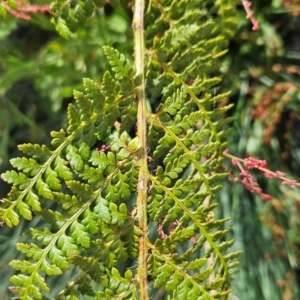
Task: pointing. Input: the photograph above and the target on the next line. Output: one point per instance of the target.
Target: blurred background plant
(39, 70)
(262, 70)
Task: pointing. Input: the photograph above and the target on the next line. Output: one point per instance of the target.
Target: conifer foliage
(92, 171)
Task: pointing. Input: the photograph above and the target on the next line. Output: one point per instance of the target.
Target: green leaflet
(91, 170)
(68, 17)
(71, 15)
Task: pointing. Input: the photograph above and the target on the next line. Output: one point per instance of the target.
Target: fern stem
(138, 28)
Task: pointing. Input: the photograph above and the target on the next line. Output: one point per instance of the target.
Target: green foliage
(33, 58)
(262, 68)
(68, 17)
(91, 169)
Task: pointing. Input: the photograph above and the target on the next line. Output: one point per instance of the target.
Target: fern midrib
(139, 62)
(195, 220)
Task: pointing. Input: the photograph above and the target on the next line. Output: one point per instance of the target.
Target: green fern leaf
(120, 65)
(102, 210)
(19, 179)
(28, 286)
(62, 28)
(43, 189)
(93, 176)
(125, 73)
(90, 222)
(3, 12)
(58, 258)
(69, 16)
(23, 266)
(91, 266)
(61, 169)
(67, 245)
(92, 171)
(80, 235)
(29, 166)
(45, 236)
(74, 118)
(24, 210)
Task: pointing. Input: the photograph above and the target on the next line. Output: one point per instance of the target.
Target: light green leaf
(3, 12)
(62, 28)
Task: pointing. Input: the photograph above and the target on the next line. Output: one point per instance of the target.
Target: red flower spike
(247, 179)
(253, 163)
(279, 174)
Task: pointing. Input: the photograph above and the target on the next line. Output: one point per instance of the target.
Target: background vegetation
(39, 70)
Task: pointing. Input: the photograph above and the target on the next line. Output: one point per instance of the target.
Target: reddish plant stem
(250, 14)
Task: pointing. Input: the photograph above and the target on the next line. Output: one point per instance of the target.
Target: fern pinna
(121, 195)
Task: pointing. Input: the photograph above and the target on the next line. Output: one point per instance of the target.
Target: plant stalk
(138, 28)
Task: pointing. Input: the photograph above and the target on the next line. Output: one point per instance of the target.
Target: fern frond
(91, 171)
(88, 184)
(189, 141)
